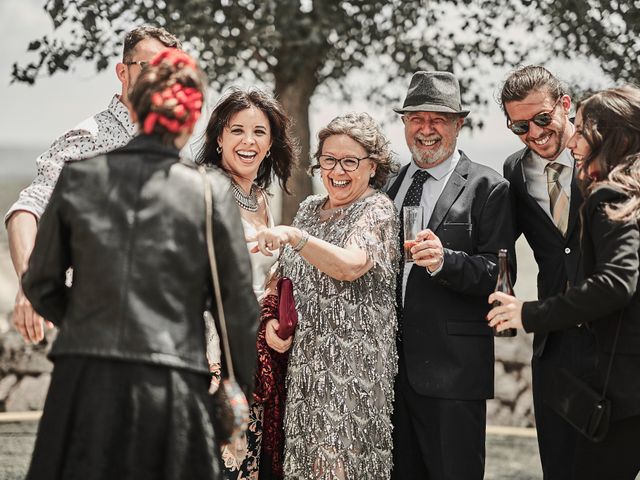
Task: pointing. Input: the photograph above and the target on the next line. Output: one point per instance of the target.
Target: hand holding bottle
(503, 293)
(507, 314)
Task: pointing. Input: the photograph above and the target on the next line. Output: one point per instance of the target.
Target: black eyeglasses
(348, 164)
(141, 63)
(542, 119)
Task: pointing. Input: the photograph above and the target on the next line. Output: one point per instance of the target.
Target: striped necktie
(558, 199)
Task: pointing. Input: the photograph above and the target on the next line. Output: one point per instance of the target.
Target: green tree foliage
(300, 45)
(607, 30)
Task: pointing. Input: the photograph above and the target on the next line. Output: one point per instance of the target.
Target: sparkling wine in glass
(412, 223)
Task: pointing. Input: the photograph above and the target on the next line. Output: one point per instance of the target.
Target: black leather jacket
(132, 225)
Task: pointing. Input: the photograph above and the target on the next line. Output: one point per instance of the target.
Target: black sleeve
(477, 274)
(608, 289)
(44, 281)
(508, 171)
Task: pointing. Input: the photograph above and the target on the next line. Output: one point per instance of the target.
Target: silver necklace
(247, 201)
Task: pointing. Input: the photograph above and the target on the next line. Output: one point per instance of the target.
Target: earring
(268, 153)
(219, 150)
(373, 174)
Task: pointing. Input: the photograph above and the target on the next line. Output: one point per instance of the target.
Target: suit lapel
(517, 179)
(395, 182)
(450, 193)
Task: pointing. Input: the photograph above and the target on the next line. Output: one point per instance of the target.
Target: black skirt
(105, 419)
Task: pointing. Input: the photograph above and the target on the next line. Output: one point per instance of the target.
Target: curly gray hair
(362, 128)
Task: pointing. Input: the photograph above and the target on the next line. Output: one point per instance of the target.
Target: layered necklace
(247, 201)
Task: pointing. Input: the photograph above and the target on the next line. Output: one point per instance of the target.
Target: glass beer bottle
(503, 285)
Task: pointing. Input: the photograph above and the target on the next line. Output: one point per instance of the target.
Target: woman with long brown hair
(248, 136)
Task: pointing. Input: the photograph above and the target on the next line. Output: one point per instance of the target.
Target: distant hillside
(19, 162)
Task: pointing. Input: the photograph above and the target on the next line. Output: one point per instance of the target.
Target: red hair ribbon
(187, 101)
(175, 57)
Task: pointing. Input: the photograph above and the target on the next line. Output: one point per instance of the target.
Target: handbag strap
(613, 352)
(208, 202)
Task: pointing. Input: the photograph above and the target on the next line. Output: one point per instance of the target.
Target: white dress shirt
(535, 177)
(431, 190)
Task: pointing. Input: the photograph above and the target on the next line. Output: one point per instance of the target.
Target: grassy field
(509, 457)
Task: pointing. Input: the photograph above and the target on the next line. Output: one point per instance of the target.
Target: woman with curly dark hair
(606, 146)
(248, 136)
(129, 391)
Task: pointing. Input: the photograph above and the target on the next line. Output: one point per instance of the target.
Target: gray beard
(426, 161)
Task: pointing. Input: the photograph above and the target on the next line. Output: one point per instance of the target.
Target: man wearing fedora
(446, 359)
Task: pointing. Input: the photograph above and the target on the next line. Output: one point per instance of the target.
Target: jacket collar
(451, 191)
(150, 143)
(449, 194)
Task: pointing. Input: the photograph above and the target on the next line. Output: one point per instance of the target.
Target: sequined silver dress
(343, 360)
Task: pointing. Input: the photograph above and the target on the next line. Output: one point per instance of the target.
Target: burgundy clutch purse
(287, 315)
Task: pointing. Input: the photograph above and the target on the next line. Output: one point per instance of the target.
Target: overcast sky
(35, 115)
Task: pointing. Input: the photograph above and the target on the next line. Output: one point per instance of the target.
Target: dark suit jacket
(447, 344)
(558, 258)
(611, 265)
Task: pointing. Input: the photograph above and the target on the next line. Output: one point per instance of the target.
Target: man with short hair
(445, 347)
(105, 131)
(545, 202)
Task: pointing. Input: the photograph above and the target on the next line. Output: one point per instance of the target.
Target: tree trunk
(295, 96)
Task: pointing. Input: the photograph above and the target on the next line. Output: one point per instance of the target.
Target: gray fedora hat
(433, 92)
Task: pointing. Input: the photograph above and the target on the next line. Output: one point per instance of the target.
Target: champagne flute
(412, 223)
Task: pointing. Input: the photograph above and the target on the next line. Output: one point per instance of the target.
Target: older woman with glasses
(342, 254)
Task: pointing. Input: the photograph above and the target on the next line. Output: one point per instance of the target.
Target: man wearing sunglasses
(545, 202)
(105, 131)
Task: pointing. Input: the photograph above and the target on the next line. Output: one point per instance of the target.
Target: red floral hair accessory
(175, 57)
(185, 102)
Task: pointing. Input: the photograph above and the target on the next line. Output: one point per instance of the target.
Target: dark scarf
(271, 393)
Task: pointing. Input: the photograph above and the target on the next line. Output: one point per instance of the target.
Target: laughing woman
(248, 136)
(606, 145)
(342, 255)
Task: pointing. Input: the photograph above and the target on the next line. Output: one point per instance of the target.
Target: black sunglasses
(542, 119)
(348, 164)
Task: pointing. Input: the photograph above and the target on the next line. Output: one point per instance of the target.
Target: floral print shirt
(104, 132)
